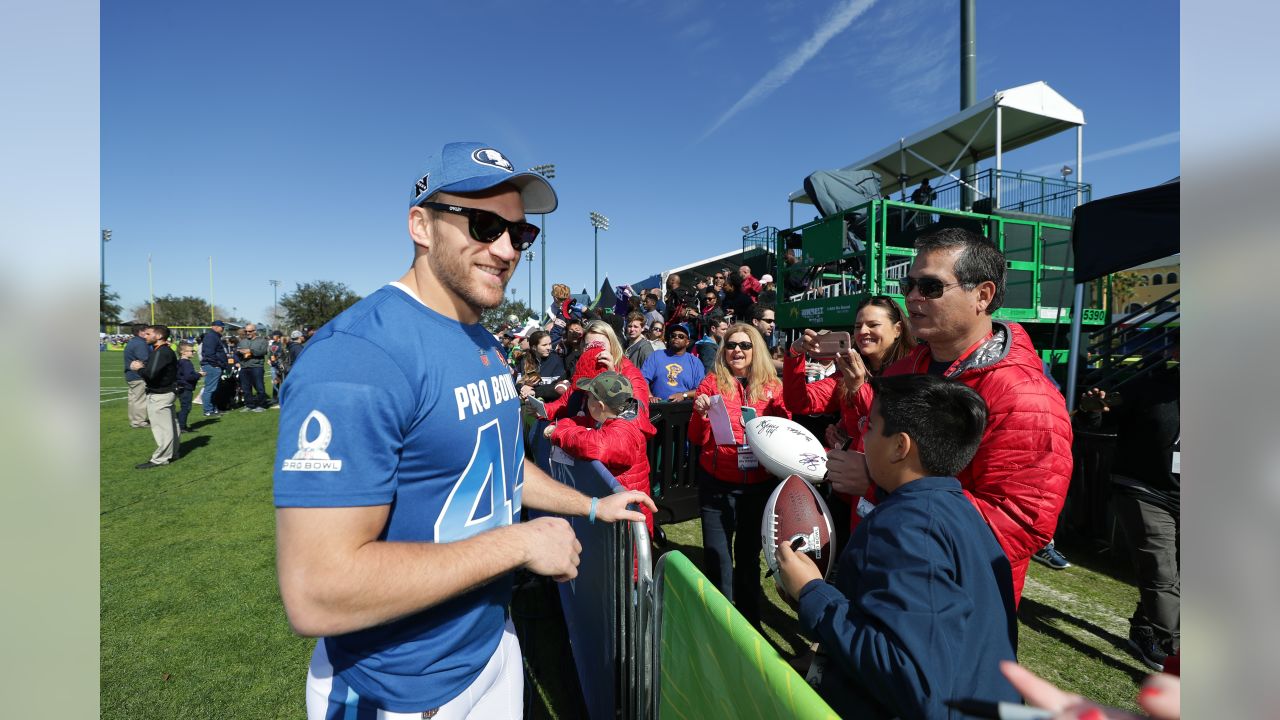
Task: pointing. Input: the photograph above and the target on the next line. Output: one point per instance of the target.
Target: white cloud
(1171, 138)
(841, 18)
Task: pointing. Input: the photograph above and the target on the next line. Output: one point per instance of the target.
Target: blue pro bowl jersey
(394, 404)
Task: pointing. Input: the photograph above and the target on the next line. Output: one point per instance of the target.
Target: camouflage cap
(608, 387)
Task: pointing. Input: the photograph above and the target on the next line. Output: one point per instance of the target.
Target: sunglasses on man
(930, 288)
(487, 226)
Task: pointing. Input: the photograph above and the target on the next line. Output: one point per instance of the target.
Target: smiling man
(1018, 478)
(399, 477)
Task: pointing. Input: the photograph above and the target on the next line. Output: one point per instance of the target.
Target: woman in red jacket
(882, 336)
(732, 487)
(609, 434)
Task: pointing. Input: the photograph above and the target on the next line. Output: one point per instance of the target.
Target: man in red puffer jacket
(1018, 480)
(609, 433)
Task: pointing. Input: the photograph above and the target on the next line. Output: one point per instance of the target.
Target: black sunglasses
(930, 288)
(744, 345)
(487, 226)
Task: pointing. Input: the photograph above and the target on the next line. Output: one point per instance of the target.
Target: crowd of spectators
(715, 340)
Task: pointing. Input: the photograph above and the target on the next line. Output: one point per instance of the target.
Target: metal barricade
(633, 600)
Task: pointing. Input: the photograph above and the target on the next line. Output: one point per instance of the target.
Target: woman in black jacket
(541, 368)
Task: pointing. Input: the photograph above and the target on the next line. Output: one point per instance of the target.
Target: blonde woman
(732, 487)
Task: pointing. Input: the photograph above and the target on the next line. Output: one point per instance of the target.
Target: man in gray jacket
(253, 351)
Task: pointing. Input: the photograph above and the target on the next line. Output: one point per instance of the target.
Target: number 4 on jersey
(482, 499)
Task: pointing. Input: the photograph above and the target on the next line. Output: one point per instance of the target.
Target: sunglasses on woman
(930, 288)
(487, 226)
(744, 345)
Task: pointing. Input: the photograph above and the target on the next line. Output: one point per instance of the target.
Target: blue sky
(282, 139)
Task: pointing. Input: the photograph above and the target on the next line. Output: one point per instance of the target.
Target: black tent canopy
(1118, 232)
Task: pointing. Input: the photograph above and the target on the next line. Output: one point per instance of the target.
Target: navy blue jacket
(135, 349)
(188, 378)
(212, 352)
(921, 612)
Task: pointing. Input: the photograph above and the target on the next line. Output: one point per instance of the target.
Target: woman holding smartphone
(732, 487)
(881, 336)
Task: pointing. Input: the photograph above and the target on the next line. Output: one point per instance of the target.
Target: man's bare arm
(543, 492)
(337, 577)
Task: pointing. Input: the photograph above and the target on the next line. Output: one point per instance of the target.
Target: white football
(784, 447)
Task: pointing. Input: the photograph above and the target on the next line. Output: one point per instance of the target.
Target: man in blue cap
(213, 360)
(399, 477)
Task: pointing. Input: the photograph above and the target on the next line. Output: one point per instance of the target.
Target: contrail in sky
(841, 18)
(1155, 142)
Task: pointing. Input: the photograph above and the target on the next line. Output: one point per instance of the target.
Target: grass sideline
(192, 626)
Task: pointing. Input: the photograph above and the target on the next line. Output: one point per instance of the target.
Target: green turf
(192, 624)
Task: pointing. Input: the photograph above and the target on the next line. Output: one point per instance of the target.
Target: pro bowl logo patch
(493, 158)
(311, 455)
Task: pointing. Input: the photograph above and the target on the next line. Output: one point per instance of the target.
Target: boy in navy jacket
(188, 377)
(921, 611)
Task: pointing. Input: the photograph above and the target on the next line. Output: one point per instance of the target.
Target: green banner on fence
(714, 664)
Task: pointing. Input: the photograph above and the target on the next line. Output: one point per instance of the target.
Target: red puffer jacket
(587, 367)
(1019, 477)
(619, 444)
(721, 461)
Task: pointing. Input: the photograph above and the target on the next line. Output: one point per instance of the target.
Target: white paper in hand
(538, 407)
(721, 427)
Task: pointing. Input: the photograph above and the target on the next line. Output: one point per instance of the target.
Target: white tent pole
(999, 163)
(965, 149)
(947, 173)
(1077, 303)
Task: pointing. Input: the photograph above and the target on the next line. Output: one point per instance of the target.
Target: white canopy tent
(1007, 120)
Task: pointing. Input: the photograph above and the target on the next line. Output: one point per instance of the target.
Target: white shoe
(197, 400)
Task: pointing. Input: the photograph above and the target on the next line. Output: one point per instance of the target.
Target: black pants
(1153, 534)
(731, 515)
(255, 395)
(184, 407)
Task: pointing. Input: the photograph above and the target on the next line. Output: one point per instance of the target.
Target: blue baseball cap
(468, 167)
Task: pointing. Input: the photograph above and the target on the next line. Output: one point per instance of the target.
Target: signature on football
(811, 462)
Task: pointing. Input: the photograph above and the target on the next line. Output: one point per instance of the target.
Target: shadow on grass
(551, 688)
(188, 445)
(1041, 618)
(202, 423)
(1111, 561)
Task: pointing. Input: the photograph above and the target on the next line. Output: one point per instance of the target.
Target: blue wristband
(592, 516)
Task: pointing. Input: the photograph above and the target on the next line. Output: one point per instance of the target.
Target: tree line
(308, 305)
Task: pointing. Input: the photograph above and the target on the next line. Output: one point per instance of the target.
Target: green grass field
(192, 624)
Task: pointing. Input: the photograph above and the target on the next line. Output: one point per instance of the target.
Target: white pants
(497, 692)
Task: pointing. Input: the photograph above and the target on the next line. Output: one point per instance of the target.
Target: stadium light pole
(529, 256)
(547, 171)
(599, 222)
(106, 238)
(275, 303)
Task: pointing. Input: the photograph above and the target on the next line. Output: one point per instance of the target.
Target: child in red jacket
(611, 434)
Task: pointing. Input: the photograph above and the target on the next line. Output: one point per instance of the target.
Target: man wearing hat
(673, 373)
(399, 479)
(213, 360)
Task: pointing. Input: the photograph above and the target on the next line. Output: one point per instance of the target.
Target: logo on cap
(421, 185)
(489, 156)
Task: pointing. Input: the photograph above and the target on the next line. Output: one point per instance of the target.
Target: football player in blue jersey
(400, 470)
